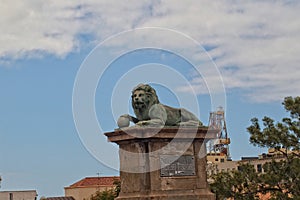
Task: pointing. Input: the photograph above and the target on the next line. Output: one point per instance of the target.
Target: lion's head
(142, 98)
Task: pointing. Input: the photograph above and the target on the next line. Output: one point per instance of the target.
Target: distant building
(59, 198)
(218, 162)
(18, 195)
(83, 189)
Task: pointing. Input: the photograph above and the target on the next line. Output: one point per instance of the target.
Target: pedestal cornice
(141, 133)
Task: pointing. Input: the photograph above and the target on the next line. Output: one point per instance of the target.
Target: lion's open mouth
(139, 104)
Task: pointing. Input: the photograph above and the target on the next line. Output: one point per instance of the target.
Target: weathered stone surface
(123, 122)
(149, 184)
(169, 133)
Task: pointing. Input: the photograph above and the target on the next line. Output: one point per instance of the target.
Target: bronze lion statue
(150, 112)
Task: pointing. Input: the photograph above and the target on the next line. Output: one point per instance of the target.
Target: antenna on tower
(98, 180)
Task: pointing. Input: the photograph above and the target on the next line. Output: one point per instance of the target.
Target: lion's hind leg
(190, 123)
(189, 119)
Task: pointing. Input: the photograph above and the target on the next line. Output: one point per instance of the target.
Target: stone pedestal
(163, 164)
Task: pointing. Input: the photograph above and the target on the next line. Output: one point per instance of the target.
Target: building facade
(18, 195)
(59, 198)
(85, 188)
(218, 162)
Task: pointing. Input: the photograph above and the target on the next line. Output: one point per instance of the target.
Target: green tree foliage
(281, 134)
(236, 184)
(108, 194)
(104, 195)
(281, 179)
(117, 184)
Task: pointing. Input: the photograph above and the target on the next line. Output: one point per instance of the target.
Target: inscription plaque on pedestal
(172, 165)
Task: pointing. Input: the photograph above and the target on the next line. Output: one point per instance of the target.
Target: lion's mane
(151, 99)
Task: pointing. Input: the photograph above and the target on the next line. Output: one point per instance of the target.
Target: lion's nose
(136, 99)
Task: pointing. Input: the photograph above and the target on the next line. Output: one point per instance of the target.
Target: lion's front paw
(142, 123)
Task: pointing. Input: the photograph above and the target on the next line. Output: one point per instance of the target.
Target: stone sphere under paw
(123, 122)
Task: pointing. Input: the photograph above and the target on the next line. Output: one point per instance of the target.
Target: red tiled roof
(95, 181)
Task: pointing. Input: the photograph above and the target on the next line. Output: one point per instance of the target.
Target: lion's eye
(140, 95)
(134, 95)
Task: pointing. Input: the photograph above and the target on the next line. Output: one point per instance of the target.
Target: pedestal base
(170, 195)
(163, 164)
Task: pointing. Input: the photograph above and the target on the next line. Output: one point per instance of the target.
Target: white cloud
(32, 27)
(255, 42)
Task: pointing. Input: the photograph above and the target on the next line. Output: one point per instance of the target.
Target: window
(239, 168)
(259, 168)
(222, 159)
(11, 196)
(216, 159)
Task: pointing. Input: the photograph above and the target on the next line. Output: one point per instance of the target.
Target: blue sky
(44, 44)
